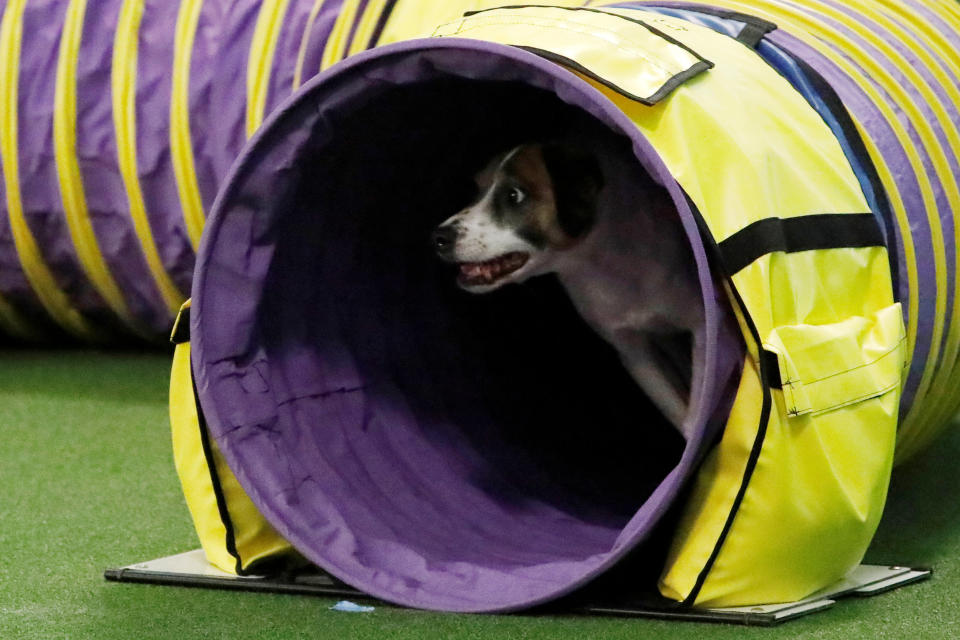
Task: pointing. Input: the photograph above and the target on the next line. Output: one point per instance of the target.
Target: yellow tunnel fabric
(789, 500)
(411, 19)
(366, 24)
(637, 62)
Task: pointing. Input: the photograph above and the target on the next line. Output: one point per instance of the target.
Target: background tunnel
(393, 429)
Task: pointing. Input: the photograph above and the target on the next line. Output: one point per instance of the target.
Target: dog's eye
(516, 195)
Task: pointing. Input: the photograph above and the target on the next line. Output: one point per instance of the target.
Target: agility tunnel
(488, 453)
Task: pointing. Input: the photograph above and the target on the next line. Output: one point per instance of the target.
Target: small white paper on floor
(351, 607)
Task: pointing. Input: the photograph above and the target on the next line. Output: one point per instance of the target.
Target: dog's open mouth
(489, 271)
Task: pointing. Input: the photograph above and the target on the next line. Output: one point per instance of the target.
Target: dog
(546, 208)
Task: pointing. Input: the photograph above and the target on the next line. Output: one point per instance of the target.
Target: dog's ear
(577, 180)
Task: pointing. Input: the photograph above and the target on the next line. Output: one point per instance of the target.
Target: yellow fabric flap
(234, 535)
(824, 367)
(192, 467)
(623, 53)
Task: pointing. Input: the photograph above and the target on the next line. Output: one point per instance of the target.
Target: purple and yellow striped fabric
(120, 120)
(896, 68)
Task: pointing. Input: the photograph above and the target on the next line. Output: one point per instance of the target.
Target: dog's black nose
(443, 239)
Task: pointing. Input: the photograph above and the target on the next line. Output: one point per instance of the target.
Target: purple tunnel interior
(433, 448)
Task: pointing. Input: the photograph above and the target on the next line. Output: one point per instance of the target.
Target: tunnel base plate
(191, 569)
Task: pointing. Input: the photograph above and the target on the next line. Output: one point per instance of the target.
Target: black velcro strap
(181, 327)
(803, 233)
(753, 32)
(773, 368)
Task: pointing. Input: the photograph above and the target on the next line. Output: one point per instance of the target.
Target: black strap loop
(752, 33)
(802, 233)
(772, 364)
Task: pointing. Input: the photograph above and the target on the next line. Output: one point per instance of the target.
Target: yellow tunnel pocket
(637, 60)
(824, 367)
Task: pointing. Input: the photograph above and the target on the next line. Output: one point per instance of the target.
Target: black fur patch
(577, 181)
(533, 235)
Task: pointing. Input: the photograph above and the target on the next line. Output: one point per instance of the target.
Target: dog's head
(536, 201)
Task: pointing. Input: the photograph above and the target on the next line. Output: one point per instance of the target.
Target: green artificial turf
(88, 483)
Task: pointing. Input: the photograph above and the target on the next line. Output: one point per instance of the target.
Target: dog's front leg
(643, 361)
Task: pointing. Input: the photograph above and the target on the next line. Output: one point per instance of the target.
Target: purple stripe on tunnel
(284, 63)
(154, 166)
(205, 110)
(322, 27)
(103, 189)
(227, 125)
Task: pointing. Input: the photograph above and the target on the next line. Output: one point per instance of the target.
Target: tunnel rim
(568, 88)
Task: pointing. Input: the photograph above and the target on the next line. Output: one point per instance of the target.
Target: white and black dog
(544, 208)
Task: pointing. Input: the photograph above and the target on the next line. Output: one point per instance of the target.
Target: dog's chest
(611, 308)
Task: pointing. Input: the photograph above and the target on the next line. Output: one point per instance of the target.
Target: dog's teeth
(490, 271)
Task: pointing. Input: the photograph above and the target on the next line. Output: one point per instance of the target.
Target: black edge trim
(384, 16)
(678, 79)
(675, 81)
(803, 233)
(181, 327)
(832, 100)
(714, 249)
(230, 540)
